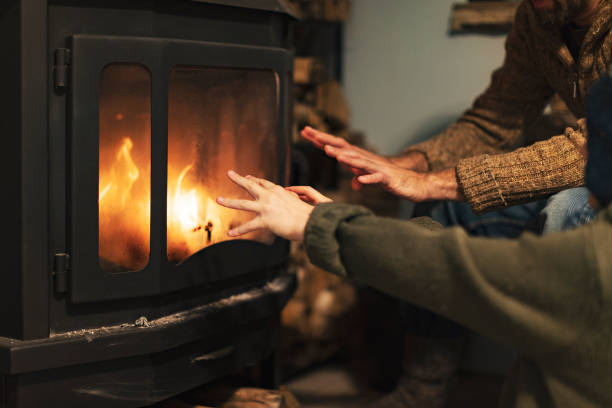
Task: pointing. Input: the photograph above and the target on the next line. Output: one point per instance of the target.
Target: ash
(143, 323)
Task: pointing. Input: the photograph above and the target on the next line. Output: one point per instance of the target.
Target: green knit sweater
(548, 297)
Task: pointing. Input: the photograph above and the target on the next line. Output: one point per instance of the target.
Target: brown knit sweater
(537, 65)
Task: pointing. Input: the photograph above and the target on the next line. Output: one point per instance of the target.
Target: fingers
(307, 199)
(374, 178)
(308, 194)
(332, 151)
(250, 226)
(262, 182)
(305, 190)
(357, 162)
(306, 134)
(246, 205)
(320, 139)
(250, 186)
(356, 172)
(355, 184)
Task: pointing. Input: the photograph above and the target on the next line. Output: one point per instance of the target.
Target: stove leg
(2, 391)
(271, 375)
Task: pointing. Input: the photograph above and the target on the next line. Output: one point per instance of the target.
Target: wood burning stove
(120, 119)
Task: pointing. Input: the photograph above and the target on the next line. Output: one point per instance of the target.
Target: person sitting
(549, 297)
(489, 176)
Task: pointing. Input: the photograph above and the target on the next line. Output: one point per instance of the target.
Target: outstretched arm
(538, 294)
(403, 176)
(534, 293)
(470, 160)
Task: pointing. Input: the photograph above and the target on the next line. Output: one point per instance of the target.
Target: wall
(404, 76)
(406, 79)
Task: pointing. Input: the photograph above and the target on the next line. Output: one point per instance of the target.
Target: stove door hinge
(61, 265)
(60, 68)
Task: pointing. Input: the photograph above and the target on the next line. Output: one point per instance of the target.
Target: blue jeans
(509, 222)
(567, 210)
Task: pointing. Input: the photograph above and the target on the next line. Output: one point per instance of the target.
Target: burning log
(209, 228)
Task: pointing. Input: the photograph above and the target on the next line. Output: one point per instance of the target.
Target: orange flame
(124, 211)
(194, 220)
(188, 225)
(124, 173)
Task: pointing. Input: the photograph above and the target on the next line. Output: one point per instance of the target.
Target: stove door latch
(61, 265)
(60, 68)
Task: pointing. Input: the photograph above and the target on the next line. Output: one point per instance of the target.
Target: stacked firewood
(316, 317)
(323, 315)
(319, 101)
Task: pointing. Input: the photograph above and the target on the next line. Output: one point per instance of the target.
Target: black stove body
(119, 119)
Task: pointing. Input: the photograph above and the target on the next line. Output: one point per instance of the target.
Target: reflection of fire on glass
(218, 119)
(124, 183)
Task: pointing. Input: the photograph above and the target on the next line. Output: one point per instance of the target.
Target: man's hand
(336, 146)
(333, 145)
(277, 209)
(409, 184)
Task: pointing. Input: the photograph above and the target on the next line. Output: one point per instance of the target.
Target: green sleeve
(535, 293)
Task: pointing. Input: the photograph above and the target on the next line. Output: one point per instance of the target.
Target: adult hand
(405, 183)
(277, 209)
(309, 195)
(336, 146)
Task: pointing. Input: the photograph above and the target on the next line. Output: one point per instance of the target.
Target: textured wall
(404, 76)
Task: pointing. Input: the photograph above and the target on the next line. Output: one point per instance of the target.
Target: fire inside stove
(218, 119)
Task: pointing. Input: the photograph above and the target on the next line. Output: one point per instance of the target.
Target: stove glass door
(155, 125)
(219, 119)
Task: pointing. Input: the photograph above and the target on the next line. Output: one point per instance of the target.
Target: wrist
(443, 185)
(302, 220)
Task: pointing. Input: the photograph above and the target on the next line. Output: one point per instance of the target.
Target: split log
(332, 104)
(336, 10)
(316, 318)
(308, 115)
(330, 10)
(483, 16)
(308, 70)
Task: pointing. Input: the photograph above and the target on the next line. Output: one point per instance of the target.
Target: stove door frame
(90, 54)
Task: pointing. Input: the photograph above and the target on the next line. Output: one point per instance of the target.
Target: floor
(328, 386)
(331, 386)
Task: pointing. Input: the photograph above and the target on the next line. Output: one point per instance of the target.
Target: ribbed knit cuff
(479, 185)
(320, 238)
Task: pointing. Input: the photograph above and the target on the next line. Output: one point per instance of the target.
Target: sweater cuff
(479, 185)
(320, 238)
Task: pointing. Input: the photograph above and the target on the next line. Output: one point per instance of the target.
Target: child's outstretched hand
(309, 194)
(277, 209)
